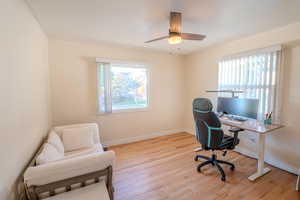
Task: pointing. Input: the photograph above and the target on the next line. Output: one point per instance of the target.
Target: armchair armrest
(68, 168)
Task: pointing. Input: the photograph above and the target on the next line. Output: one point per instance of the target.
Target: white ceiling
(131, 22)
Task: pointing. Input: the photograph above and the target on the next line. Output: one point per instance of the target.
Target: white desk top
(251, 125)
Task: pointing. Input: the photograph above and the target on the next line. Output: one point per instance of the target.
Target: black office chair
(211, 136)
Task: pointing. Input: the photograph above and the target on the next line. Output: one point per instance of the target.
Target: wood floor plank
(163, 168)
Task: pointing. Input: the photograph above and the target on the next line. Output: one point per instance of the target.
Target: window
(122, 86)
(257, 75)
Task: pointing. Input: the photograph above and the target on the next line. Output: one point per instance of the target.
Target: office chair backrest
(208, 125)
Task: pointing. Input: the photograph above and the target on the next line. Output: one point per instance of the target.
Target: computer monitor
(238, 106)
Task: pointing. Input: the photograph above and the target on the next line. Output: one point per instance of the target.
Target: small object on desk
(232, 119)
(268, 119)
(237, 118)
(221, 114)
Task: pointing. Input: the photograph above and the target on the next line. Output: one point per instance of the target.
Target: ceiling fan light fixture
(175, 39)
(175, 35)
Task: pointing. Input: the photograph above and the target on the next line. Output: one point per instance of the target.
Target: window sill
(131, 110)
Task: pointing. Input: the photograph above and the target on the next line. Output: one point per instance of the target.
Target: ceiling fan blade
(191, 36)
(175, 22)
(156, 39)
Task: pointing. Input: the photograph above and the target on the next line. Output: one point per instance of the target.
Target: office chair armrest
(235, 131)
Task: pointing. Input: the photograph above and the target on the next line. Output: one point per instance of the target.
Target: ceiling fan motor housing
(173, 34)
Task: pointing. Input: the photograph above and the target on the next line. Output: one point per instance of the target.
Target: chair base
(214, 162)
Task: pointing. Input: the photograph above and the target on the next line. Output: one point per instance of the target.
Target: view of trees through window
(128, 87)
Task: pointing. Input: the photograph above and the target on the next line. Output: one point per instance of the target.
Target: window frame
(273, 100)
(141, 65)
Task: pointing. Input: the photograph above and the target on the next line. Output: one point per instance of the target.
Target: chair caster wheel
(223, 178)
(196, 158)
(199, 169)
(232, 168)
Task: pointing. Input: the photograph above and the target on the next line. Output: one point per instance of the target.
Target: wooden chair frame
(33, 192)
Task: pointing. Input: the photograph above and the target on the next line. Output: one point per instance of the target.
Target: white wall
(283, 149)
(74, 89)
(24, 88)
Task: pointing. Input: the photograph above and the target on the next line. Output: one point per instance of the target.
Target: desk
(255, 126)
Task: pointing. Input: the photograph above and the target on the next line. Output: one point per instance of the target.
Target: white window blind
(122, 86)
(257, 75)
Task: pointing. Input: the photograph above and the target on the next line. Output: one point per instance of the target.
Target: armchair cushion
(55, 140)
(48, 154)
(92, 126)
(77, 138)
(81, 152)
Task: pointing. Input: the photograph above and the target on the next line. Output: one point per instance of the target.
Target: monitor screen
(238, 106)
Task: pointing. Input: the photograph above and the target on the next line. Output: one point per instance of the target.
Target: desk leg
(261, 170)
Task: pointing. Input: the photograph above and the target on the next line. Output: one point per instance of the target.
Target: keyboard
(237, 118)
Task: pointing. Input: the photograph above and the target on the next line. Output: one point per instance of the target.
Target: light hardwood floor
(164, 168)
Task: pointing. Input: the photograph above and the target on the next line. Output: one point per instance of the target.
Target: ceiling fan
(175, 35)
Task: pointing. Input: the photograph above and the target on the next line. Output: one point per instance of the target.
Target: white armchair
(79, 152)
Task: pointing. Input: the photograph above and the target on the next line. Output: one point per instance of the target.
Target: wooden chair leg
(32, 194)
(109, 183)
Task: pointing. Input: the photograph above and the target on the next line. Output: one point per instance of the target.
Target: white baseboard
(190, 131)
(270, 160)
(142, 137)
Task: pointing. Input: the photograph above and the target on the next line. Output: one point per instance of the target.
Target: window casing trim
(131, 64)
